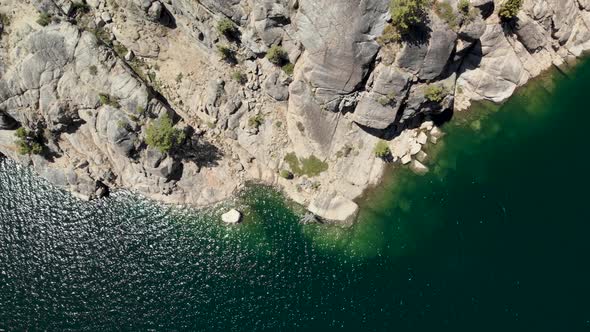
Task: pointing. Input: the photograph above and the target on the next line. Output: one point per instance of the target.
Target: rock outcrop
(87, 82)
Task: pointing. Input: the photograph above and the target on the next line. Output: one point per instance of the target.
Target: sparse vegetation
(344, 152)
(285, 174)
(300, 127)
(509, 9)
(255, 121)
(445, 11)
(93, 70)
(390, 35)
(226, 27)
(140, 110)
(44, 19)
(288, 68)
(406, 14)
(179, 78)
(27, 142)
(277, 55)
(464, 6)
(161, 134)
(102, 35)
(106, 99)
(4, 19)
(239, 77)
(120, 49)
(381, 149)
(225, 52)
(435, 93)
(387, 100)
(80, 7)
(311, 166)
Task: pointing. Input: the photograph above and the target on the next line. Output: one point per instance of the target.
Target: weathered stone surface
(276, 87)
(334, 207)
(492, 70)
(427, 56)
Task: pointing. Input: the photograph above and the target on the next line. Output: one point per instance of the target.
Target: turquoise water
(494, 238)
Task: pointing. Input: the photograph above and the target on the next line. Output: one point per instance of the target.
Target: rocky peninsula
(184, 101)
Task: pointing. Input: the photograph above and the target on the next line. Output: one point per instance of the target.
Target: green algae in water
(494, 238)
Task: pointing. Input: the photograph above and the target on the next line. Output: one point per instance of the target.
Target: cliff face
(89, 82)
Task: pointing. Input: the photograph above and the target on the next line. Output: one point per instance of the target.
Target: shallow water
(494, 238)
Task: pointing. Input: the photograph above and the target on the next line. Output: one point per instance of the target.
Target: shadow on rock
(199, 151)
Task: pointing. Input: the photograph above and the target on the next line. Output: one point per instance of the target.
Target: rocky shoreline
(290, 93)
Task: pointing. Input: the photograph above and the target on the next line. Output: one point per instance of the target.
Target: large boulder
(492, 70)
(332, 206)
(232, 216)
(428, 55)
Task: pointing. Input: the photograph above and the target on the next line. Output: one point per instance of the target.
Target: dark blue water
(494, 238)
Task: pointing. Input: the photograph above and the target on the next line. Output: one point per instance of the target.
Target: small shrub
(289, 68)
(406, 14)
(102, 35)
(21, 133)
(279, 124)
(300, 127)
(435, 93)
(226, 27)
(509, 9)
(179, 78)
(161, 135)
(285, 174)
(123, 124)
(152, 76)
(27, 142)
(390, 35)
(387, 100)
(140, 110)
(44, 19)
(277, 55)
(80, 7)
(445, 11)
(239, 77)
(464, 6)
(4, 19)
(106, 99)
(381, 149)
(225, 52)
(344, 152)
(255, 121)
(120, 49)
(93, 70)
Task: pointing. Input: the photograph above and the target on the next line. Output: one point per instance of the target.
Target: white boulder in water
(232, 216)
